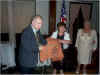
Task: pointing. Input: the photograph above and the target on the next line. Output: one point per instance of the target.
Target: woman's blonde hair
(87, 21)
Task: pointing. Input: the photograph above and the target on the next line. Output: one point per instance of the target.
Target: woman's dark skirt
(68, 63)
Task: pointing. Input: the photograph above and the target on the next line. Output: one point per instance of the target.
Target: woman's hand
(60, 41)
(65, 41)
(94, 49)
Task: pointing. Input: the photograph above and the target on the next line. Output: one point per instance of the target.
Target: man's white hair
(37, 16)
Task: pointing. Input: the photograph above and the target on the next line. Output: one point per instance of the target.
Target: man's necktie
(38, 38)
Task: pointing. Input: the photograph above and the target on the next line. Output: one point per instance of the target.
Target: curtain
(74, 9)
(7, 49)
(11, 23)
(86, 11)
(11, 26)
(0, 22)
(14, 16)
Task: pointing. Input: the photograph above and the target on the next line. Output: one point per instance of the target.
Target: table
(7, 54)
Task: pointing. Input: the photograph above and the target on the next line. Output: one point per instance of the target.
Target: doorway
(79, 12)
(78, 24)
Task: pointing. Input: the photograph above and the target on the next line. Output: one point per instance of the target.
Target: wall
(95, 16)
(0, 17)
(4, 16)
(58, 11)
(24, 10)
(95, 12)
(42, 8)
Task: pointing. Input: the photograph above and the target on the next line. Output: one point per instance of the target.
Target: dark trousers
(27, 70)
(57, 65)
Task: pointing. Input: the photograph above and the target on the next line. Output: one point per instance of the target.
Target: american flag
(63, 13)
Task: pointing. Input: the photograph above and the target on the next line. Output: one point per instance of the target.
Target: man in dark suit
(31, 42)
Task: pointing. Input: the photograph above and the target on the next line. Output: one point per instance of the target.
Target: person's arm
(77, 39)
(66, 39)
(26, 42)
(43, 40)
(94, 40)
(54, 35)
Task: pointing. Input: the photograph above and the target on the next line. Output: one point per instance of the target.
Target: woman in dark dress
(64, 39)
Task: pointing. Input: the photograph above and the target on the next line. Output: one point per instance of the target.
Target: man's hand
(41, 48)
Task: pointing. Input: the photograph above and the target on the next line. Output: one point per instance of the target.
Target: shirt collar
(34, 30)
(58, 31)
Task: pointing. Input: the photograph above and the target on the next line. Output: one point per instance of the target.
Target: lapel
(33, 36)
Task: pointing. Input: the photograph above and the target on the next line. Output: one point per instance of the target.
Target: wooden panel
(52, 16)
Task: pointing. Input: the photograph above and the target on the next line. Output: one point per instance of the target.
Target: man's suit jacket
(28, 52)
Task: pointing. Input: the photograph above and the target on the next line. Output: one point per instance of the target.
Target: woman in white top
(64, 39)
(86, 43)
